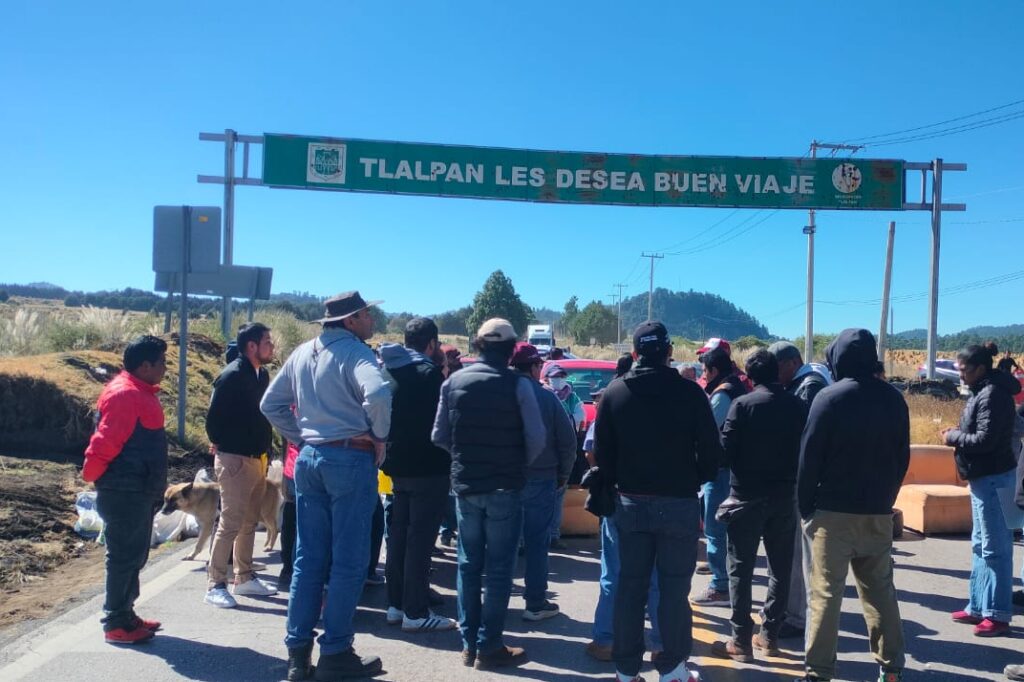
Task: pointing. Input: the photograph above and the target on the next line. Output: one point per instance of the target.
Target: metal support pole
(230, 137)
(186, 216)
(252, 309)
(933, 293)
(170, 310)
(886, 283)
(620, 287)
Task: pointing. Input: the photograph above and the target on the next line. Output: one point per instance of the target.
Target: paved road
(202, 643)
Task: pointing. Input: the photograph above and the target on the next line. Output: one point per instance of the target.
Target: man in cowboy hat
(342, 416)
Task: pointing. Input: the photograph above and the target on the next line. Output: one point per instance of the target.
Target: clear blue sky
(102, 106)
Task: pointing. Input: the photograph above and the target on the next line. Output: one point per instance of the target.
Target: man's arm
(720, 402)
(565, 440)
(708, 442)
(984, 435)
(218, 416)
(904, 452)
(376, 397)
(534, 433)
(813, 450)
(732, 434)
(606, 452)
(441, 436)
(118, 416)
(277, 403)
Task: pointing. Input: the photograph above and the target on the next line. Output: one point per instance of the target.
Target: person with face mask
(558, 382)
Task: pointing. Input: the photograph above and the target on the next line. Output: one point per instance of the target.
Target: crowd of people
(804, 458)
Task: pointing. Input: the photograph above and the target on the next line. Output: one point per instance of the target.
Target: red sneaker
(964, 617)
(991, 628)
(151, 625)
(134, 636)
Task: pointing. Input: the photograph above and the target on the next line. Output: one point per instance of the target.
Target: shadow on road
(206, 662)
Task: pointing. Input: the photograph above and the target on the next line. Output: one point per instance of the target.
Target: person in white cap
(489, 420)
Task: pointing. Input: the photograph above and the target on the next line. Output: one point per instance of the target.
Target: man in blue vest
(489, 420)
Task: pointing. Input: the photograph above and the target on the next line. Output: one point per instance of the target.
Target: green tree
(454, 321)
(745, 342)
(498, 298)
(569, 313)
(396, 323)
(596, 321)
(380, 319)
(4, 296)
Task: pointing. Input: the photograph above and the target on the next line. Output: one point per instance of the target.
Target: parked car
(944, 369)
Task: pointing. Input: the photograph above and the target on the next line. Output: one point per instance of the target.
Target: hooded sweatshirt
(655, 434)
(416, 388)
(983, 440)
(855, 449)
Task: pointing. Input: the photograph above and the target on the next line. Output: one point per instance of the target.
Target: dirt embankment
(46, 418)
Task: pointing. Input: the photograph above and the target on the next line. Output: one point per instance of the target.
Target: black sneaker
(299, 666)
(788, 631)
(546, 610)
(345, 665)
(1018, 598)
(284, 583)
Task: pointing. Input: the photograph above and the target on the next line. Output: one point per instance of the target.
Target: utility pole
(809, 231)
(650, 290)
(886, 283)
(620, 287)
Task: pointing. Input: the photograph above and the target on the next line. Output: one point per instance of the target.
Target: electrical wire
(950, 131)
(934, 125)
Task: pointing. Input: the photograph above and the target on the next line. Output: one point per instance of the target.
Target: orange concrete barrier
(934, 499)
(575, 519)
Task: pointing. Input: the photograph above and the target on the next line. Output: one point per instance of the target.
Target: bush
(4, 296)
(64, 335)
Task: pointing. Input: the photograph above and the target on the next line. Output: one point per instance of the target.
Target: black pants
(654, 532)
(128, 530)
(774, 520)
(376, 537)
(416, 512)
(288, 529)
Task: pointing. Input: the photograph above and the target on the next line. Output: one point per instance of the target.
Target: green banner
(580, 177)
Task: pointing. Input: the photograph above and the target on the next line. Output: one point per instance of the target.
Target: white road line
(68, 637)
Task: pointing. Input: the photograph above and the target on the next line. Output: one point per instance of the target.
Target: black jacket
(655, 435)
(1020, 467)
(410, 452)
(761, 437)
(855, 449)
(806, 387)
(983, 441)
(234, 422)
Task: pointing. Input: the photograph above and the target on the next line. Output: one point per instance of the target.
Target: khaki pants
(242, 481)
(862, 542)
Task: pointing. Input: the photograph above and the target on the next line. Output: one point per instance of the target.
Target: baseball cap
(525, 354)
(712, 344)
(784, 350)
(650, 338)
(497, 329)
(555, 370)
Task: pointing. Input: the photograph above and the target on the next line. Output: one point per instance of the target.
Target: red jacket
(128, 413)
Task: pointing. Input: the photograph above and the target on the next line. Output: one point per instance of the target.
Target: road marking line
(70, 635)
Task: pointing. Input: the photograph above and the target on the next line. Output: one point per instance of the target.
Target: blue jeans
(556, 517)
(991, 584)
(603, 614)
(662, 532)
(538, 498)
(489, 526)
(336, 494)
(449, 524)
(715, 493)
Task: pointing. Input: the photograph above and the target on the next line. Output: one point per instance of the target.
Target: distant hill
(1009, 338)
(693, 315)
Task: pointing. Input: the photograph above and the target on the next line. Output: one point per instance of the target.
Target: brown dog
(202, 500)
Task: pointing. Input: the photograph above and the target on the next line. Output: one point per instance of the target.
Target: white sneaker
(220, 597)
(394, 616)
(254, 587)
(680, 674)
(430, 623)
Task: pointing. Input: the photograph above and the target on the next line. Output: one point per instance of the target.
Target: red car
(586, 376)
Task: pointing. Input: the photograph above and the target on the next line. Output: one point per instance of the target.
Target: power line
(950, 131)
(948, 291)
(940, 123)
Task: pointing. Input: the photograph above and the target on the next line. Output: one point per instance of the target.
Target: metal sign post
(186, 247)
(883, 341)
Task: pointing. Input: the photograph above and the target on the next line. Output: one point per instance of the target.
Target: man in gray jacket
(548, 474)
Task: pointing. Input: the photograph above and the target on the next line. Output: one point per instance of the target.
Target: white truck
(542, 337)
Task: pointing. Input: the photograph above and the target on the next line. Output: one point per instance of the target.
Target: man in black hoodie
(420, 471)
(853, 456)
(656, 439)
